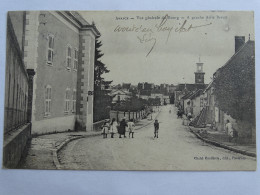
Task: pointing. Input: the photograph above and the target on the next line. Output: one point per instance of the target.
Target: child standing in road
(113, 127)
(156, 128)
(131, 127)
(105, 129)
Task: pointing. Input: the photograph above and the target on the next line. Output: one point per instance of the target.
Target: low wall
(57, 124)
(14, 145)
(97, 125)
(119, 115)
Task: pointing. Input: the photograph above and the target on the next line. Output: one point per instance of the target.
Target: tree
(132, 104)
(102, 100)
(100, 67)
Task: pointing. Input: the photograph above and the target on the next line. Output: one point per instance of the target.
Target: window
(76, 55)
(74, 101)
(47, 109)
(68, 57)
(50, 49)
(67, 100)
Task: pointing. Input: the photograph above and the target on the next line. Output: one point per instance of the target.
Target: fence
(17, 80)
(119, 115)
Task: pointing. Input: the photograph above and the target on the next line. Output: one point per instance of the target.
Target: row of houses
(144, 91)
(230, 95)
(151, 91)
(49, 76)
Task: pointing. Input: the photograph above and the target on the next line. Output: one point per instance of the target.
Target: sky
(128, 37)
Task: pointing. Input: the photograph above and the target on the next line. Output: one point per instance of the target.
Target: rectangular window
(50, 49)
(75, 59)
(67, 100)
(74, 101)
(68, 57)
(47, 109)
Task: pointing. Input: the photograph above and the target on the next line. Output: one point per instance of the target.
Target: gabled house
(120, 95)
(231, 94)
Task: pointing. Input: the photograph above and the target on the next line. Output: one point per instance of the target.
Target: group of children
(114, 127)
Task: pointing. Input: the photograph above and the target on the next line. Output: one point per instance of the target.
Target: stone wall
(119, 115)
(97, 125)
(14, 145)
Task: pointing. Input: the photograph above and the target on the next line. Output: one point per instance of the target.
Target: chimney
(239, 42)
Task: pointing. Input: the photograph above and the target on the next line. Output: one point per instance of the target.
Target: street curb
(222, 145)
(55, 151)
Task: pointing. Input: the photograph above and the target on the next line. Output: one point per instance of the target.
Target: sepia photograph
(130, 90)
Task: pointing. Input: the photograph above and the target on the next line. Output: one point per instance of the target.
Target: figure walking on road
(123, 125)
(156, 128)
(131, 126)
(113, 127)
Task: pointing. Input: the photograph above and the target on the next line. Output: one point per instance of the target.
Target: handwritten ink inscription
(147, 35)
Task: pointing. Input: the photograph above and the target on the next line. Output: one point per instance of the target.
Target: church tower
(199, 74)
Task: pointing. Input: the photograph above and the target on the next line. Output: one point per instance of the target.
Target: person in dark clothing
(123, 125)
(156, 128)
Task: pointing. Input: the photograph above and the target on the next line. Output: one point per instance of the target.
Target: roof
(77, 17)
(196, 94)
(187, 96)
(78, 21)
(121, 91)
(240, 57)
(190, 87)
(209, 86)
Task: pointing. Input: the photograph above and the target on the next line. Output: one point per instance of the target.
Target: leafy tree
(132, 104)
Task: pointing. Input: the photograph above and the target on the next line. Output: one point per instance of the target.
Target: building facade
(231, 94)
(49, 76)
(119, 95)
(59, 46)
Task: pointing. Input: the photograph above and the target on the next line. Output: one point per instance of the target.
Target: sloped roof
(208, 87)
(122, 92)
(77, 20)
(196, 94)
(246, 51)
(187, 96)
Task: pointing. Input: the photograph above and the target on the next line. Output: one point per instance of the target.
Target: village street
(175, 149)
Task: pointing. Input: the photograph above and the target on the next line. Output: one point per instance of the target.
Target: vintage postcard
(130, 90)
